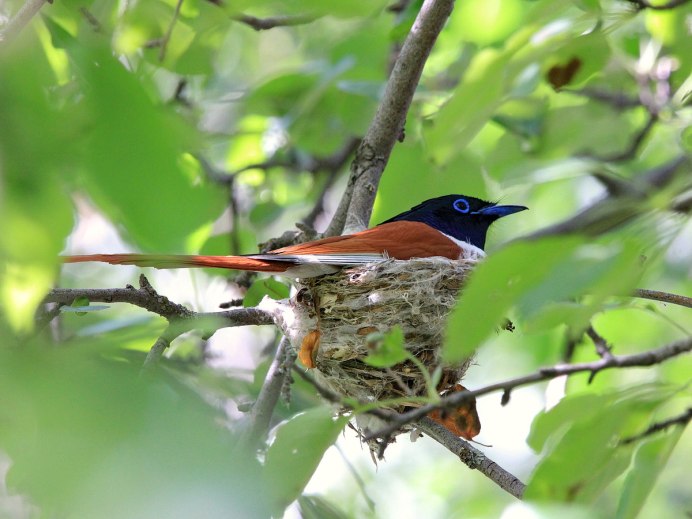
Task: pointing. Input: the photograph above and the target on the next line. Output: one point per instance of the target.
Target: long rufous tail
(173, 261)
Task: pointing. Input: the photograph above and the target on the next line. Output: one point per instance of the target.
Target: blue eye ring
(461, 205)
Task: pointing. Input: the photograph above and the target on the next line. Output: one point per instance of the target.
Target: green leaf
(591, 432)
(265, 287)
(389, 349)
(36, 151)
(472, 104)
(317, 507)
(75, 425)
(547, 424)
(495, 285)
(134, 156)
(649, 461)
(297, 450)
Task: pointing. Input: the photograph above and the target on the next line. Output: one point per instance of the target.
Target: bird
(450, 226)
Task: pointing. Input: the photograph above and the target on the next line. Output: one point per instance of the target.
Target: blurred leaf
(265, 287)
(589, 426)
(597, 270)
(134, 153)
(316, 507)
(495, 285)
(35, 209)
(488, 21)
(649, 461)
(75, 424)
(473, 102)
(389, 348)
(297, 450)
(573, 315)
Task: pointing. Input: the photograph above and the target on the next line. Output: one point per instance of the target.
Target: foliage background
(105, 110)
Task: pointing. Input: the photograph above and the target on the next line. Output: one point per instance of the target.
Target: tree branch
(169, 31)
(180, 319)
(472, 457)
(647, 358)
(12, 28)
(600, 343)
(263, 408)
(387, 125)
(682, 419)
(613, 211)
(645, 4)
(263, 24)
(145, 297)
(664, 297)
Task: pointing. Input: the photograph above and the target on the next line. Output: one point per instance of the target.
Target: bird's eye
(461, 205)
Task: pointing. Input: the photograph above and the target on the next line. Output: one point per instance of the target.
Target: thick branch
(388, 124)
(647, 358)
(12, 28)
(472, 457)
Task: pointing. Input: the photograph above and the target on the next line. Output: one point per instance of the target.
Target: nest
(336, 316)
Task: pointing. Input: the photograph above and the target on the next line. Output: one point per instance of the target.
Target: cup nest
(334, 318)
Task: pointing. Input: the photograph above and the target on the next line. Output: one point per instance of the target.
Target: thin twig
(166, 37)
(602, 348)
(682, 419)
(611, 212)
(263, 24)
(472, 457)
(617, 100)
(631, 151)
(13, 27)
(664, 297)
(161, 345)
(647, 358)
(645, 4)
(387, 125)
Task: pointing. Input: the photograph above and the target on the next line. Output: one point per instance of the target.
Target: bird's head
(463, 217)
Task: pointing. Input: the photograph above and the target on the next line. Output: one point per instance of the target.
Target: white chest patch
(468, 251)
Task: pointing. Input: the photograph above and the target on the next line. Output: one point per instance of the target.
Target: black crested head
(462, 217)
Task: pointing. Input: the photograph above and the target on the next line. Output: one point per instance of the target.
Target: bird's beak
(498, 211)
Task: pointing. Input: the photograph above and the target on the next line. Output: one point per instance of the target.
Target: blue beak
(498, 211)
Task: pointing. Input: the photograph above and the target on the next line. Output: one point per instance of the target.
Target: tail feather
(173, 261)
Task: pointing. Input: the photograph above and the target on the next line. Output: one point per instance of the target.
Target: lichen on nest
(339, 313)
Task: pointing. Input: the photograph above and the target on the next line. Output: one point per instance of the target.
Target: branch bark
(472, 457)
(387, 125)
